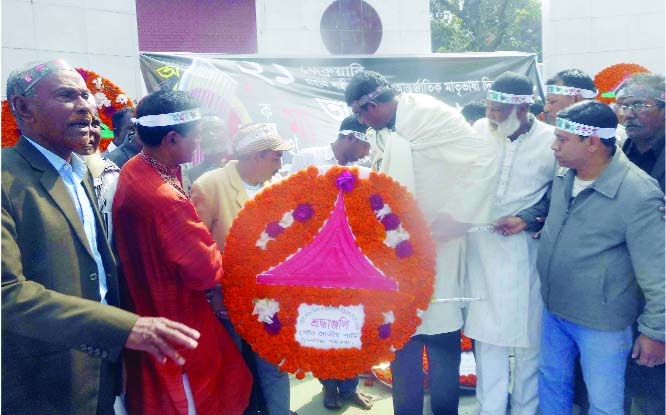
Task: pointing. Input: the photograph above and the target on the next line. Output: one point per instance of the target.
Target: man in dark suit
(640, 105)
(61, 335)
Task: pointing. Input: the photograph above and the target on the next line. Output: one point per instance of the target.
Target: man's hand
(161, 337)
(648, 352)
(509, 225)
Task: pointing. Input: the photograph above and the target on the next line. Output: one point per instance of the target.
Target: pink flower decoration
(391, 221)
(345, 181)
(273, 229)
(404, 249)
(303, 212)
(28, 78)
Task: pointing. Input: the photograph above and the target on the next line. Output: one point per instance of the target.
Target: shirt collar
(78, 166)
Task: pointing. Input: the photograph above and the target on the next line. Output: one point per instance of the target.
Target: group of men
(563, 262)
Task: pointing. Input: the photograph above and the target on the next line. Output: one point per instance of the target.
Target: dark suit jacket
(122, 154)
(60, 346)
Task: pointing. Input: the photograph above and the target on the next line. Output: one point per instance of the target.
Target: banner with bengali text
(305, 96)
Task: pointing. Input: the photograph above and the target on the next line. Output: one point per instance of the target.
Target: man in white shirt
(350, 146)
(429, 147)
(502, 270)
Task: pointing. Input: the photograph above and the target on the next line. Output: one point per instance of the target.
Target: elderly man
(429, 147)
(601, 254)
(566, 88)
(640, 103)
(219, 195)
(61, 335)
(169, 260)
(502, 271)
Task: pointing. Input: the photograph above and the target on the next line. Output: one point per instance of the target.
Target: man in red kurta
(169, 260)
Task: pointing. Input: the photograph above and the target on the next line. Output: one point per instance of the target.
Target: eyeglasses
(636, 107)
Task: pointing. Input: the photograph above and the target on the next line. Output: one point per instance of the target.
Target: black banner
(305, 96)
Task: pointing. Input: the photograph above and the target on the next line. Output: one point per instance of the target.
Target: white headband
(164, 120)
(505, 98)
(582, 129)
(571, 91)
(357, 134)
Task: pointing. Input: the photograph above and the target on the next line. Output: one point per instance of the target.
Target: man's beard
(509, 126)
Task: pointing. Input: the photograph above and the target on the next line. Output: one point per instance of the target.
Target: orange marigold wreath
(611, 77)
(109, 99)
(244, 259)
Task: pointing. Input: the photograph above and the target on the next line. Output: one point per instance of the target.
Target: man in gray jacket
(601, 254)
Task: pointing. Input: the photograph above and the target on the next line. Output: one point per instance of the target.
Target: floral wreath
(109, 99)
(389, 230)
(610, 78)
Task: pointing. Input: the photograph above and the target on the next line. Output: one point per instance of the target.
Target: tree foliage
(485, 25)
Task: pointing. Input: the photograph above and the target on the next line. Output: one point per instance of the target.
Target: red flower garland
(243, 261)
(608, 79)
(97, 84)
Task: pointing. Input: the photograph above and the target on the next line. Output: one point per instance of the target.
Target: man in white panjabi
(502, 269)
(350, 146)
(429, 147)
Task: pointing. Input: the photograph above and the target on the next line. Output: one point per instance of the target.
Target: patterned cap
(21, 80)
(260, 137)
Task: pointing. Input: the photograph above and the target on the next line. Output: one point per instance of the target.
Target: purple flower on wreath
(384, 330)
(273, 229)
(345, 181)
(274, 327)
(404, 249)
(376, 202)
(303, 212)
(391, 221)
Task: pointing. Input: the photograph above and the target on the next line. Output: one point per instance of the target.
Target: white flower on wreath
(122, 99)
(265, 309)
(102, 100)
(98, 82)
(394, 237)
(263, 240)
(385, 210)
(287, 219)
(389, 317)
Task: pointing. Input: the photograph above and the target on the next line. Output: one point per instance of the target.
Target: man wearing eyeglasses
(640, 102)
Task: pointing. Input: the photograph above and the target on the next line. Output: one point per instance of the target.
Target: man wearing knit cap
(600, 263)
(61, 331)
(502, 270)
(169, 261)
(219, 195)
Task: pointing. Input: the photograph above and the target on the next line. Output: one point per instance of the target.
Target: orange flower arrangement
(243, 261)
(608, 79)
(10, 130)
(109, 99)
